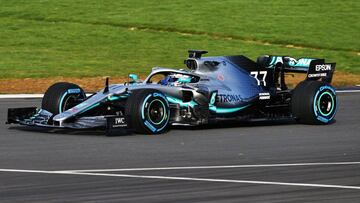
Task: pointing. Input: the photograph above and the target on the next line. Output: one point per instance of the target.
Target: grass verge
(76, 39)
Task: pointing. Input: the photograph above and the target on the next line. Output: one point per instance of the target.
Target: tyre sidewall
(137, 108)
(305, 102)
(56, 96)
(297, 99)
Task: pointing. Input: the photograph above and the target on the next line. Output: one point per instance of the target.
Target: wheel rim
(326, 103)
(156, 112)
(69, 102)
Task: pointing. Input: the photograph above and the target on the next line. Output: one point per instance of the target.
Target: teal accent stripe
(227, 110)
(180, 102)
(113, 98)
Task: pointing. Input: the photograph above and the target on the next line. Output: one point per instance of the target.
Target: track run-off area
(252, 162)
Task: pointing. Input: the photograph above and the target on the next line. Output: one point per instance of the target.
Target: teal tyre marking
(143, 107)
(61, 101)
(148, 122)
(69, 91)
(321, 116)
(151, 127)
(332, 104)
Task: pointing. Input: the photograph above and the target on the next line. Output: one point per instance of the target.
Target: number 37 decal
(262, 75)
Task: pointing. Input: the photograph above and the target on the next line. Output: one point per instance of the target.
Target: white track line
(215, 167)
(21, 96)
(347, 91)
(25, 96)
(28, 171)
(185, 179)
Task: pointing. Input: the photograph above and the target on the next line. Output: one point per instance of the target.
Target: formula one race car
(211, 90)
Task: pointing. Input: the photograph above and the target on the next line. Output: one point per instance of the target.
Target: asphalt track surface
(223, 163)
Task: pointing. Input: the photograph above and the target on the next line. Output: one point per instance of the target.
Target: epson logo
(323, 67)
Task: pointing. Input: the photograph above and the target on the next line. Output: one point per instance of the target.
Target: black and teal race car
(211, 89)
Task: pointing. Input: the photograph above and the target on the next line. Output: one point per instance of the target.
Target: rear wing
(314, 68)
(318, 69)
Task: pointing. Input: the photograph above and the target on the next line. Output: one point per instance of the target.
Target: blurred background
(44, 41)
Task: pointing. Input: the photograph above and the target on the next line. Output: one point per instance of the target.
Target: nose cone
(90, 103)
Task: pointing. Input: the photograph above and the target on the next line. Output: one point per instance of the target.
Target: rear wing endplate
(320, 70)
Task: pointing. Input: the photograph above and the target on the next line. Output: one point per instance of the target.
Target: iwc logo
(119, 121)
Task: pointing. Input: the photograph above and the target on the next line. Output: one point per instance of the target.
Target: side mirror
(133, 78)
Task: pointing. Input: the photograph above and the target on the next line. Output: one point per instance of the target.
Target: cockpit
(169, 78)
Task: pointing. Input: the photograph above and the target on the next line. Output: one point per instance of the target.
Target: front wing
(31, 116)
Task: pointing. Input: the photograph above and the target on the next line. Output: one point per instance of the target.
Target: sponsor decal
(292, 61)
(228, 98)
(323, 67)
(262, 74)
(275, 60)
(74, 91)
(328, 87)
(303, 62)
(119, 122)
(213, 98)
(316, 75)
(155, 94)
(264, 95)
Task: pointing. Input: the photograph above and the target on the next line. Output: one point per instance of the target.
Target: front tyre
(62, 96)
(147, 111)
(314, 102)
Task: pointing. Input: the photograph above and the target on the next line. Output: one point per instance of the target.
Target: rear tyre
(314, 102)
(147, 111)
(62, 96)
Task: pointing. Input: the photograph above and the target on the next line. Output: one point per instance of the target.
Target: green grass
(96, 38)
